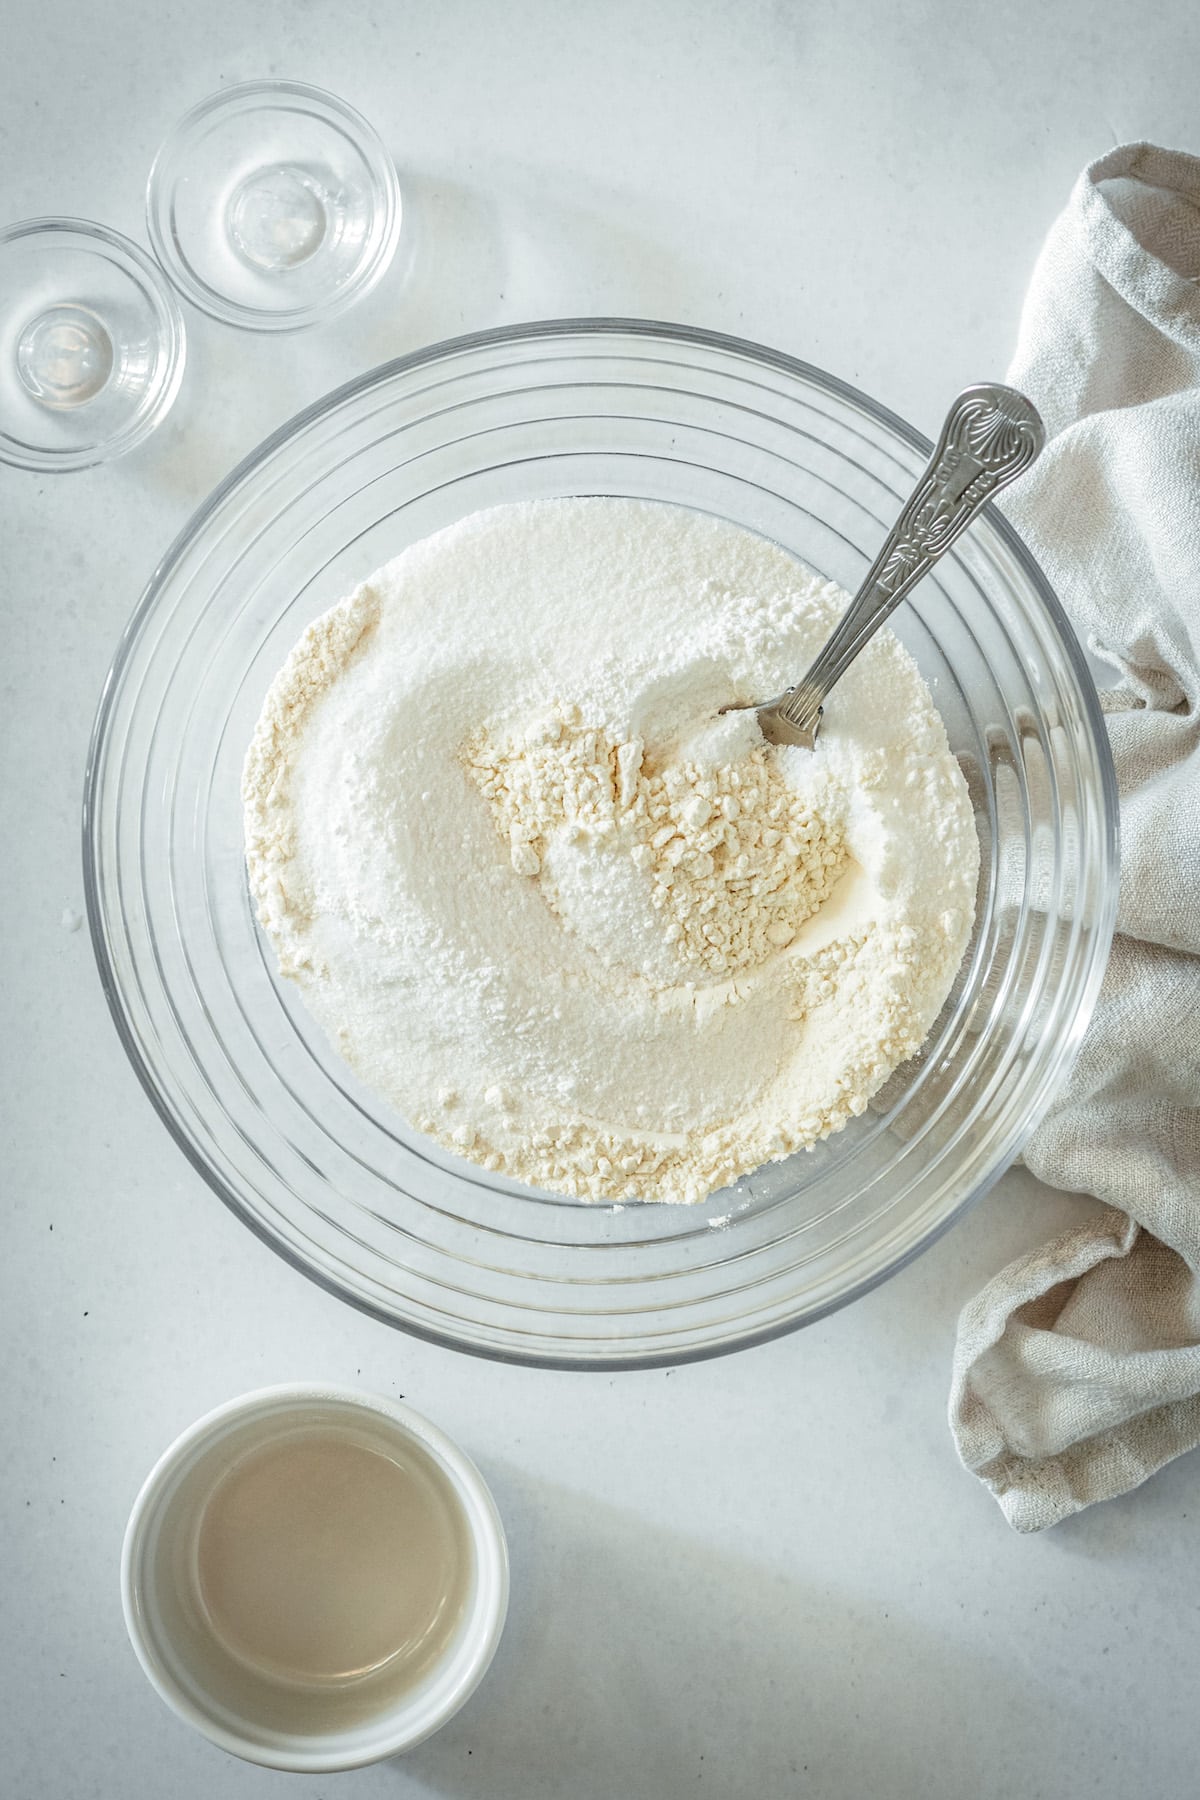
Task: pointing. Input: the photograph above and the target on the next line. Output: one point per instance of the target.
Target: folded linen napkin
(1077, 1370)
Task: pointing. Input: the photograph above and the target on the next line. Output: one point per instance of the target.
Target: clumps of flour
(731, 857)
(570, 919)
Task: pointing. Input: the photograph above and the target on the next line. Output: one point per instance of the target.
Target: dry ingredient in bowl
(570, 919)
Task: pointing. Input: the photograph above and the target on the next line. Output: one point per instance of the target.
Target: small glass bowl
(324, 1170)
(273, 205)
(92, 345)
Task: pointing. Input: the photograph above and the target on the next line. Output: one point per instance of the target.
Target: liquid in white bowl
(325, 1559)
(315, 1578)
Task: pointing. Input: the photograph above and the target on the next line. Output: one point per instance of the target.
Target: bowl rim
(663, 331)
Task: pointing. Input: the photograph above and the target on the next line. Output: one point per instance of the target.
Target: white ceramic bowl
(187, 1672)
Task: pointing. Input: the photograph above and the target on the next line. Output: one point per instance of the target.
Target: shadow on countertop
(638, 1662)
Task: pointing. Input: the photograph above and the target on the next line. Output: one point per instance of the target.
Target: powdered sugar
(565, 917)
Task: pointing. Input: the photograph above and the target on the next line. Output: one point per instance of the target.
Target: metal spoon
(991, 436)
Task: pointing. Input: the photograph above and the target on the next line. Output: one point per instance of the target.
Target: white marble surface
(764, 1576)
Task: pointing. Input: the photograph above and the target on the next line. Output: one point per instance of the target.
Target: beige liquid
(324, 1560)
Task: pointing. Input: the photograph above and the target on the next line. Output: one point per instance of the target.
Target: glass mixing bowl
(330, 1176)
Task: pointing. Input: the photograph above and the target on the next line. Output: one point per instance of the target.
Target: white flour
(569, 921)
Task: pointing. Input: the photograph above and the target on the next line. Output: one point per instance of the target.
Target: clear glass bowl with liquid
(273, 205)
(92, 345)
(329, 1175)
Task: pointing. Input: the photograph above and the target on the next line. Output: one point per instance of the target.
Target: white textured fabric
(1077, 1370)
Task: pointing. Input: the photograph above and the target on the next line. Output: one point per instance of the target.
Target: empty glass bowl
(273, 205)
(326, 1173)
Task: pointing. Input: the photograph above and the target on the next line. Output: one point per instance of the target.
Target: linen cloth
(1077, 1369)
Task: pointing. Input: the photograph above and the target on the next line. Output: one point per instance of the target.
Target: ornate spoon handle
(991, 435)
